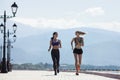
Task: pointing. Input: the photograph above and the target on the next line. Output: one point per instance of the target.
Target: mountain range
(102, 47)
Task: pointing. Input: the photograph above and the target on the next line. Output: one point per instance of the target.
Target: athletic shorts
(77, 51)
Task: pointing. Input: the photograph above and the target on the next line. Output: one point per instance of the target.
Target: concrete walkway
(48, 75)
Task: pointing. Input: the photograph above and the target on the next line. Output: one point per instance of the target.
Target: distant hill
(63, 67)
(101, 46)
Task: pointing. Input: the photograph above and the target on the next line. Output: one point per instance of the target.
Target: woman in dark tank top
(55, 44)
(79, 43)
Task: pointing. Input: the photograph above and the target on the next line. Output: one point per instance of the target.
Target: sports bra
(55, 42)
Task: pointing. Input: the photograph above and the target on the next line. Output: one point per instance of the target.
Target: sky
(65, 14)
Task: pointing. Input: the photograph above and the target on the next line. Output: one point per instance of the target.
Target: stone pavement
(48, 75)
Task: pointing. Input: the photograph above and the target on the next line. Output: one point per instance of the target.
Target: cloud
(95, 11)
(27, 21)
(62, 23)
(111, 26)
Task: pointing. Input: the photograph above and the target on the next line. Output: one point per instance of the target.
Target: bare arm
(50, 46)
(60, 44)
(72, 43)
(82, 42)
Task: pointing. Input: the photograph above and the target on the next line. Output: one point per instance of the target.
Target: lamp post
(14, 8)
(0, 56)
(0, 53)
(9, 46)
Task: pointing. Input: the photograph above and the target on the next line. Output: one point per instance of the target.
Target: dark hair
(80, 32)
(53, 35)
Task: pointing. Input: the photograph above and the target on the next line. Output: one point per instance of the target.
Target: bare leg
(76, 61)
(80, 59)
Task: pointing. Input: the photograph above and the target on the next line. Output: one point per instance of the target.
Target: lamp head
(1, 27)
(14, 37)
(14, 8)
(14, 27)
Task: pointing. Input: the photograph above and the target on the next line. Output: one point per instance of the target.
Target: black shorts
(78, 51)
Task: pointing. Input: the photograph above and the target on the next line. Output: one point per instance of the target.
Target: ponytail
(52, 38)
(53, 35)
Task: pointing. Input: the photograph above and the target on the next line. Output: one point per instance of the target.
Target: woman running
(79, 42)
(55, 44)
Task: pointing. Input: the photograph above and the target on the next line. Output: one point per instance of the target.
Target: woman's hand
(72, 48)
(60, 47)
(48, 50)
(60, 44)
(50, 46)
(72, 43)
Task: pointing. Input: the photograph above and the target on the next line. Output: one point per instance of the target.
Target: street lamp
(14, 8)
(9, 46)
(14, 27)
(1, 27)
(14, 38)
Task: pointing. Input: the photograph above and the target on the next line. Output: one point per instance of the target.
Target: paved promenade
(48, 75)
